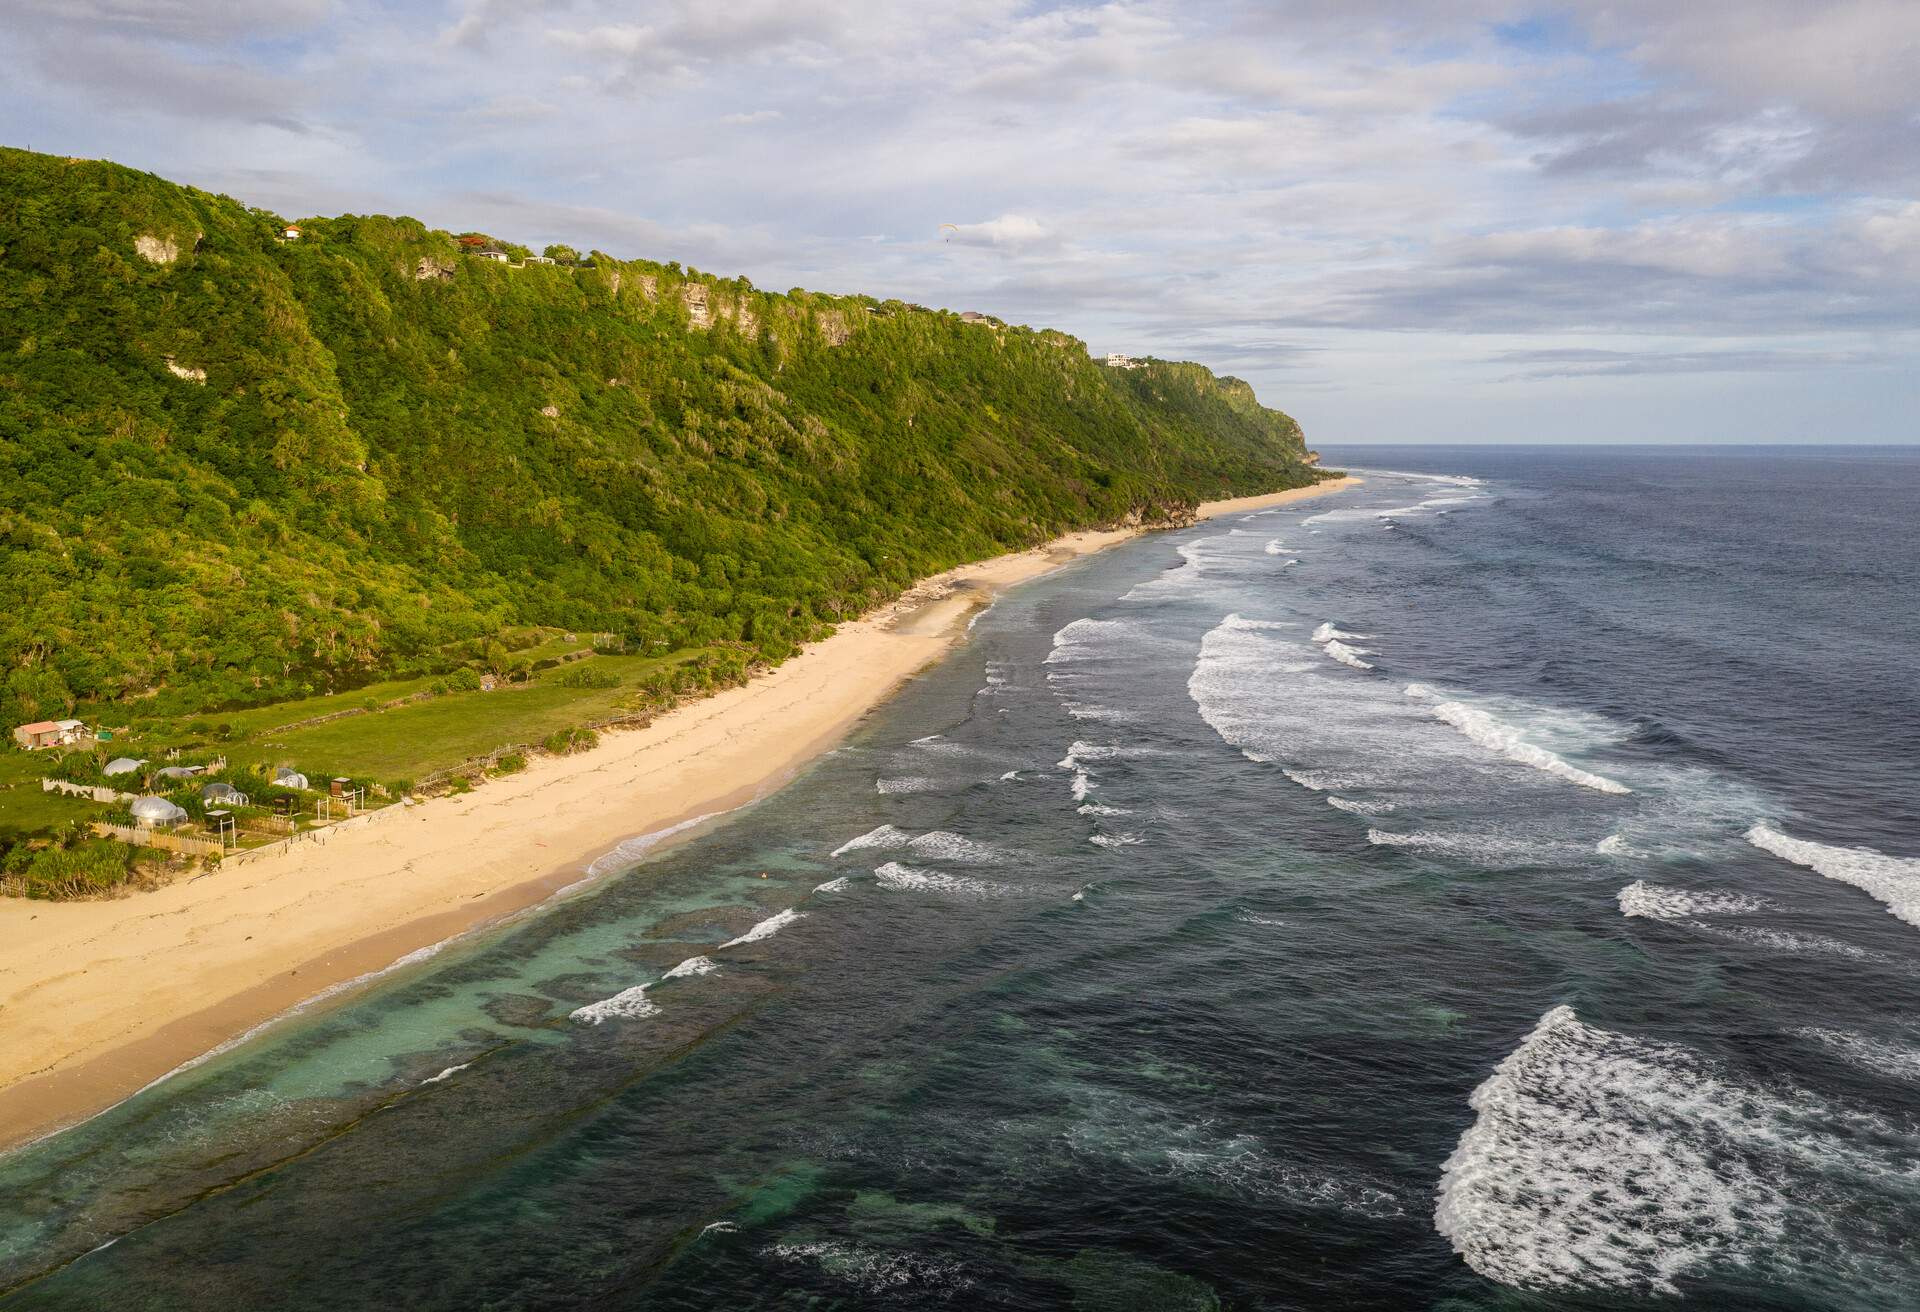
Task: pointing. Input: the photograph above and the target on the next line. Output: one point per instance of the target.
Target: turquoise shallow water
(1471, 893)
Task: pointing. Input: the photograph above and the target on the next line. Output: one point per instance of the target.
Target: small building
(121, 765)
(494, 253)
(974, 316)
(1115, 360)
(290, 233)
(540, 259)
(152, 812)
(49, 733)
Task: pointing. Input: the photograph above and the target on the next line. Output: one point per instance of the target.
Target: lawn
(413, 741)
(24, 808)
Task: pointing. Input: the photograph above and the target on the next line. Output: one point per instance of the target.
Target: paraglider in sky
(954, 226)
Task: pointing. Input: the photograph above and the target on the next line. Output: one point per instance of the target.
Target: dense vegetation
(236, 469)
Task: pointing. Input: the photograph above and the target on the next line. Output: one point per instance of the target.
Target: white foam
(451, 1070)
(1009, 776)
(1784, 940)
(693, 966)
(1895, 1060)
(1616, 845)
(719, 1228)
(1658, 902)
(1082, 785)
(1359, 808)
(1329, 633)
(945, 845)
(1491, 733)
(1421, 691)
(1893, 880)
(1095, 808)
(766, 928)
(631, 850)
(881, 836)
(910, 784)
(1348, 656)
(629, 1004)
(1116, 840)
(902, 878)
(1498, 848)
(1277, 548)
(1087, 639)
(832, 886)
(1599, 1160)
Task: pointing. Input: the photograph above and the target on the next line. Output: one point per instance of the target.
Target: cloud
(1357, 195)
(1578, 362)
(1009, 231)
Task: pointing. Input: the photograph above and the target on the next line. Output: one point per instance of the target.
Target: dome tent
(121, 765)
(223, 795)
(288, 777)
(150, 811)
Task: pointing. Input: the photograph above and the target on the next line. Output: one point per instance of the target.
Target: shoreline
(101, 999)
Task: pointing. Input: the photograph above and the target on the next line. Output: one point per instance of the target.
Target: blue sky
(1462, 220)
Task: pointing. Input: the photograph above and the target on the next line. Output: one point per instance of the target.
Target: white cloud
(1331, 195)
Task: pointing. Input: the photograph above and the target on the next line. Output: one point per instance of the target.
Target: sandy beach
(99, 999)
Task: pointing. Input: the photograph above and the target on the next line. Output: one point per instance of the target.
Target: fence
(84, 790)
(161, 838)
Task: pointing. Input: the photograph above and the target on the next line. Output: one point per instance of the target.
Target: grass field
(24, 808)
(381, 742)
(413, 741)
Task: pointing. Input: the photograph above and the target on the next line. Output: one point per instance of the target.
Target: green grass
(24, 808)
(258, 720)
(413, 741)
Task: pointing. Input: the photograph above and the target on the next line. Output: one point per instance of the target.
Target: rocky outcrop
(187, 372)
(156, 250)
(833, 327)
(699, 313)
(550, 411)
(432, 269)
(649, 286)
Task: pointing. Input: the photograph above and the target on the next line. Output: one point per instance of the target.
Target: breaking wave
(1893, 880)
(1597, 1160)
(766, 929)
(1491, 733)
(1658, 902)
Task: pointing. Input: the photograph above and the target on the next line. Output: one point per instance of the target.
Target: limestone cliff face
(699, 314)
(156, 250)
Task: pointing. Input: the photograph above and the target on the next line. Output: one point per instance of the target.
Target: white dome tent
(121, 765)
(151, 812)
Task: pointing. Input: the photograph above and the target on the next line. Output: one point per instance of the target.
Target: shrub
(568, 741)
(510, 763)
(584, 675)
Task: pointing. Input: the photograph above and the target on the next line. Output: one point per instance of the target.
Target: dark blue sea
(1497, 887)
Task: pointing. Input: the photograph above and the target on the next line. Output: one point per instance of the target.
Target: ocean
(1494, 888)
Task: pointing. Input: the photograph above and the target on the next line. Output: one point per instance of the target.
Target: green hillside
(240, 469)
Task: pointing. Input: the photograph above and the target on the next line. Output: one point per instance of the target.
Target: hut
(151, 812)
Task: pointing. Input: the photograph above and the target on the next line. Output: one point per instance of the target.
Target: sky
(1453, 220)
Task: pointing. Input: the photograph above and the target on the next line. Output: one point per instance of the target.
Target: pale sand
(98, 999)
